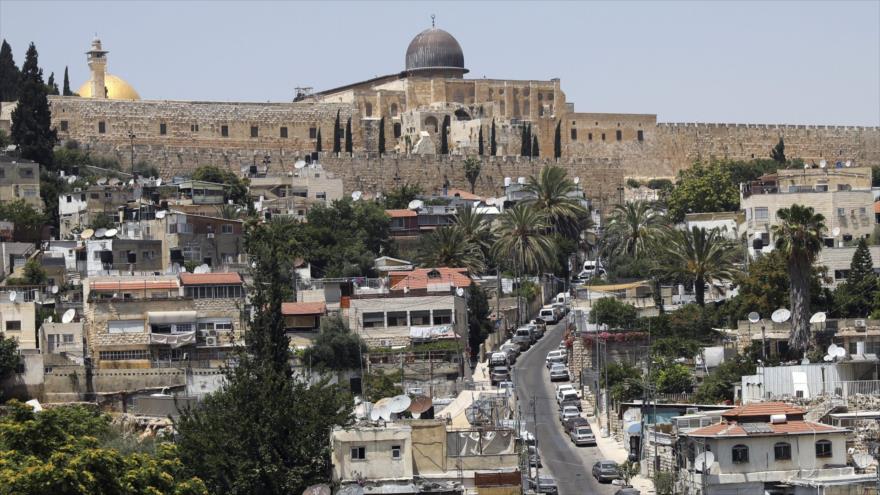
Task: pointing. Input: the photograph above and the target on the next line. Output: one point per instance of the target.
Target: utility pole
(607, 409)
(535, 422)
(131, 136)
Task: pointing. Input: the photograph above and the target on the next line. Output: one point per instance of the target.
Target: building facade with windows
(20, 180)
(761, 448)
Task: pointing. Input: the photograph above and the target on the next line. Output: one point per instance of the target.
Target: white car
(555, 357)
(558, 372)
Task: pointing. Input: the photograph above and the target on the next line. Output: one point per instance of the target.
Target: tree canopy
(703, 188)
(32, 128)
(336, 347)
(236, 188)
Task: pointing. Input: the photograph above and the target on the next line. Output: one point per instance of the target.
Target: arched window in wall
(431, 124)
(368, 109)
(394, 109)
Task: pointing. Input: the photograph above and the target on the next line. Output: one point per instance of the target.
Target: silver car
(558, 372)
(582, 435)
(544, 484)
(568, 412)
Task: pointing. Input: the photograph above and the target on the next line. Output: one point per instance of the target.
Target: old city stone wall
(636, 144)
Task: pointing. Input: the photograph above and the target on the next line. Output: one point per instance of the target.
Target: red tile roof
(762, 409)
(787, 428)
(418, 278)
(401, 213)
(114, 285)
(226, 278)
(303, 308)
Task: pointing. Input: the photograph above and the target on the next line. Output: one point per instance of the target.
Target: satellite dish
(357, 195)
(754, 317)
(835, 231)
(459, 292)
(415, 204)
(48, 319)
(828, 358)
(203, 268)
(100, 233)
(704, 461)
(848, 163)
(399, 403)
(54, 289)
(158, 182)
(299, 164)
(506, 181)
(841, 352)
(862, 460)
(110, 233)
(384, 409)
(13, 296)
(806, 165)
(490, 201)
(419, 405)
(832, 350)
(71, 179)
(87, 234)
(823, 163)
(68, 316)
(101, 181)
(160, 214)
(818, 317)
(577, 180)
(781, 315)
(183, 269)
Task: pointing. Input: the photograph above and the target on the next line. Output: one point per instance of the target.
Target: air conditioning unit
(385, 342)
(860, 324)
(210, 235)
(211, 341)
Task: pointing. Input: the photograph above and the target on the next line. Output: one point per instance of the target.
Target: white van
(549, 314)
(563, 297)
(591, 268)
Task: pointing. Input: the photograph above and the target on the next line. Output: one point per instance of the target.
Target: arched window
(431, 124)
(782, 451)
(368, 109)
(394, 109)
(740, 453)
(396, 129)
(823, 448)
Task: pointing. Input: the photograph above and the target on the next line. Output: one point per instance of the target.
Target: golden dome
(117, 89)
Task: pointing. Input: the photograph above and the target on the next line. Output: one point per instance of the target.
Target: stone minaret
(98, 65)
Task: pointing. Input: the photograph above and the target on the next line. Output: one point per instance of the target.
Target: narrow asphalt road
(569, 465)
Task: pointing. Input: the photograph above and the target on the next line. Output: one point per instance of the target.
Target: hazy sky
(693, 61)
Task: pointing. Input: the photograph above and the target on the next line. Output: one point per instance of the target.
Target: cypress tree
(444, 136)
(855, 297)
(778, 151)
(31, 121)
(9, 74)
(534, 150)
(480, 142)
(51, 87)
(493, 145)
(557, 141)
(66, 90)
(382, 136)
(348, 145)
(337, 130)
(318, 146)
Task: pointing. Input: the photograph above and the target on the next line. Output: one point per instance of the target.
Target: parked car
(544, 484)
(606, 471)
(549, 314)
(555, 357)
(572, 423)
(540, 324)
(523, 338)
(537, 329)
(582, 435)
(534, 457)
(511, 349)
(499, 374)
(533, 333)
(568, 412)
(558, 372)
(627, 490)
(563, 388)
(570, 398)
(498, 359)
(507, 385)
(561, 308)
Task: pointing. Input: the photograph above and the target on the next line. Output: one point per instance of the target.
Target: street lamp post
(131, 136)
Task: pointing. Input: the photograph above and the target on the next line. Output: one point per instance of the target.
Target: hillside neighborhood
(280, 325)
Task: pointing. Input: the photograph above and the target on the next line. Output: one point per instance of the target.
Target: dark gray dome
(434, 49)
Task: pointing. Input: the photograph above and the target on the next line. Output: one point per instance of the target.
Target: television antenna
(68, 316)
(415, 204)
(781, 315)
(357, 195)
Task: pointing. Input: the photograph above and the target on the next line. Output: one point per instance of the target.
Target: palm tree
(450, 246)
(522, 239)
(633, 227)
(552, 197)
(699, 255)
(799, 238)
(474, 226)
